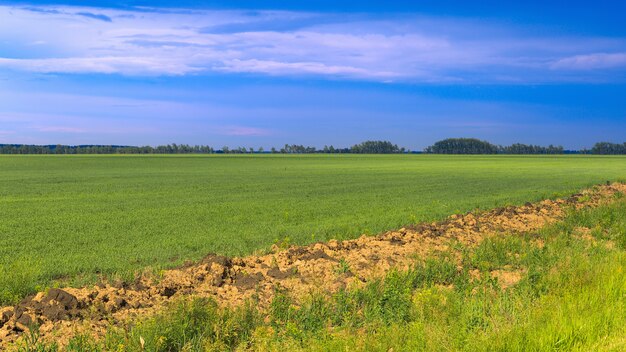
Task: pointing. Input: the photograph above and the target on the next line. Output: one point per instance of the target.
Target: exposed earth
(326, 267)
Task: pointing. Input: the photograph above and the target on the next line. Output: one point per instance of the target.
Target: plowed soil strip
(325, 267)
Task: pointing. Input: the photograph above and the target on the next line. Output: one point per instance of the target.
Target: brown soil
(325, 267)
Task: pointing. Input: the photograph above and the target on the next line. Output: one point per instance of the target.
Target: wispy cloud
(96, 16)
(81, 117)
(279, 43)
(62, 129)
(138, 65)
(245, 131)
(592, 61)
(284, 68)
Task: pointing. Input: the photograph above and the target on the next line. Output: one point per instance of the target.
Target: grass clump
(17, 279)
(193, 325)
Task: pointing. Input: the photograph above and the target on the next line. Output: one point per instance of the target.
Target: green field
(72, 218)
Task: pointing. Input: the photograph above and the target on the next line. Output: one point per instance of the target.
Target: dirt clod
(276, 273)
(317, 254)
(218, 259)
(23, 320)
(67, 300)
(5, 315)
(168, 291)
(248, 281)
(54, 312)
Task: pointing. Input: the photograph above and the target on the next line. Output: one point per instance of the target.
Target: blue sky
(266, 73)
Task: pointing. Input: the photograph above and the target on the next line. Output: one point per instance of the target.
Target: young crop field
(72, 219)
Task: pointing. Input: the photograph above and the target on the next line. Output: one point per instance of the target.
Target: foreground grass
(571, 297)
(72, 219)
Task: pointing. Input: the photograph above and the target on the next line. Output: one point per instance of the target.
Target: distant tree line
(103, 149)
(462, 146)
(376, 147)
(476, 146)
(606, 148)
(446, 146)
(367, 147)
(295, 149)
(519, 148)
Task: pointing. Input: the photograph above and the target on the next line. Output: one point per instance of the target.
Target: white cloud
(591, 61)
(176, 42)
(282, 68)
(110, 64)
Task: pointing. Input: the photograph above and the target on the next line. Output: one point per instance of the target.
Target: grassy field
(72, 218)
(570, 297)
